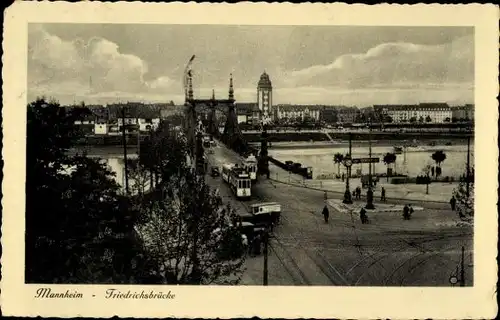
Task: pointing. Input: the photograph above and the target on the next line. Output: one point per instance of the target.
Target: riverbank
(292, 145)
(439, 192)
(324, 136)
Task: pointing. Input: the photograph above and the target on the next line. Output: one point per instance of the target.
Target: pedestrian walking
(453, 203)
(382, 194)
(325, 196)
(406, 212)
(326, 214)
(362, 216)
(358, 193)
(411, 209)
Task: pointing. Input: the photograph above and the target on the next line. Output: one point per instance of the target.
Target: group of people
(362, 214)
(407, 211)
(356, 193)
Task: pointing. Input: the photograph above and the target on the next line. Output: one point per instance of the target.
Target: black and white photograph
(252, 155)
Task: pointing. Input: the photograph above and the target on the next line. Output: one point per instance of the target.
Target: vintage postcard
(251, 159)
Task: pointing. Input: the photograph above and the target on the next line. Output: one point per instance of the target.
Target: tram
(238, 180)
(250, 164)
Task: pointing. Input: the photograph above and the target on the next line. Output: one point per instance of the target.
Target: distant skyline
(333, 65)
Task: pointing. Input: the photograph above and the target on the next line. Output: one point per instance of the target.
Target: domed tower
(265, 97)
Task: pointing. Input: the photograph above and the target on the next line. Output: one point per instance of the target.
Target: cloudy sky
(102, 63)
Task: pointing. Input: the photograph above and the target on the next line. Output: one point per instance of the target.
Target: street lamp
(369, 193)
(347, 195)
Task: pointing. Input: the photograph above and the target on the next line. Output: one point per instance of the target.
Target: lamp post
(369, 193)
(347, 195)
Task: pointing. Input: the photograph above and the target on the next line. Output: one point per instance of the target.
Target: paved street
(423, 251)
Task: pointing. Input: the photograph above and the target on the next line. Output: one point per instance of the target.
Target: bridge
(231, 137)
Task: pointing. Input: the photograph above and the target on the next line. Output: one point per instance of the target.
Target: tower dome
(264, 81)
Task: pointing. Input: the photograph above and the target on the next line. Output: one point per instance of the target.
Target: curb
(341, 192)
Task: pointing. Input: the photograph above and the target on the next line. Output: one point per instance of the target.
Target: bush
(423, 180)
(398, 180)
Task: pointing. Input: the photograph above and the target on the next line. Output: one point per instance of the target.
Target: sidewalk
(438, 191)
(356, 207)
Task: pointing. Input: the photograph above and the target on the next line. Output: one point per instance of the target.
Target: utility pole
(462, 269)
(124, 138)
(369, 193)
(350, 154)
(468, 167)
(266, 245)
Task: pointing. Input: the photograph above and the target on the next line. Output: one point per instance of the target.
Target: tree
(187, 235)
(465, 202)
(413, 119)
(139, 177)
(428, 119)
(439, 157)
(389, 158)
(78, 228)
(421, 119)
(163, 147)
(338, 158)
(426, 171)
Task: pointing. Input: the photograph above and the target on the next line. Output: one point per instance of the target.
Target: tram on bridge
(238, 180)
(250, 164)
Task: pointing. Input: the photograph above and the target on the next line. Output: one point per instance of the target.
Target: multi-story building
(348, 114)
(265, 97)
(423, 112)
(463, 113)
(298, 112)
(169, 110)
(328, 114)
(247, 112)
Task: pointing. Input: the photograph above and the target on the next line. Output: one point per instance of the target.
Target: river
(321, 159)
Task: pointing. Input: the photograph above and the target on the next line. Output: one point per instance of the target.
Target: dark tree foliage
(338, 158)
(78, 228)
(182, 223)
(187, 235)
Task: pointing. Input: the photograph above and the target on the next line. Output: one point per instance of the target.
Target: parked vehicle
(214, 171)
(265, 213)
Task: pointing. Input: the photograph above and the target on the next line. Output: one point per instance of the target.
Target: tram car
(250, 164)
(238, 180)
(266, 213)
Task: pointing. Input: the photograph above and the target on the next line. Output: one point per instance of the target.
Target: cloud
(392, 65)
(86, 67)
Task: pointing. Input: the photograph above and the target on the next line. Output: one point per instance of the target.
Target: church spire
(231, 91)
(213, 94)
(190, 87)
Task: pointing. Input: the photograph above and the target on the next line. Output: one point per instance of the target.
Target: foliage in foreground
(465, 202)
(187, 237)
(184, 225)
(78, 227)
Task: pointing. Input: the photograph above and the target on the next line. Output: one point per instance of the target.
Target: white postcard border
(17, 298)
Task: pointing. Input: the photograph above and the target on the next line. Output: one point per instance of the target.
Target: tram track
(301, 279)
(320, 261)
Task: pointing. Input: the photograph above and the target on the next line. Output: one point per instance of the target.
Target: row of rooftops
(251, 106)
(422, 106)
(132, 110)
